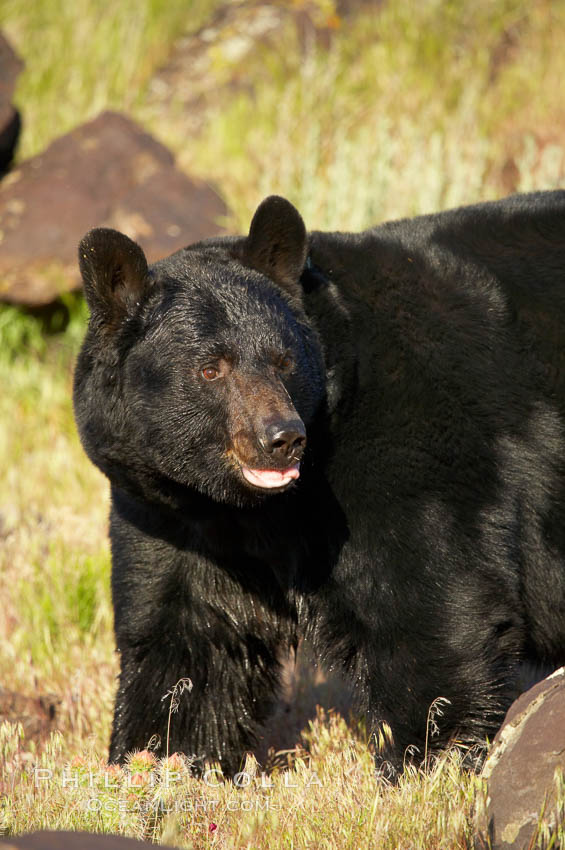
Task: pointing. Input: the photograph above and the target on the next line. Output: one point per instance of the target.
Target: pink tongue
(271, 477)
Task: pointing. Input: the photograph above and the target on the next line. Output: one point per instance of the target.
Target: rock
(520, 773)
(108, 172)
(73, 841)
(10, 67)
(37, 715)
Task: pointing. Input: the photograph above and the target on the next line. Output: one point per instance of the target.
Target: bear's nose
(285, 439)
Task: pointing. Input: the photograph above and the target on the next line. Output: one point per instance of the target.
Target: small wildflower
(113, 770)
(174, 762)
(143, 760)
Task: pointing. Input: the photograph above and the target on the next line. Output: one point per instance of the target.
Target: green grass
(413, 108)
(55, 623)
(86, 56)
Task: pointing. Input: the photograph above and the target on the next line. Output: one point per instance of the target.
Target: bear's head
(200, 373)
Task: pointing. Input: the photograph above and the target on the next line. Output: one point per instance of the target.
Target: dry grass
(327, 798)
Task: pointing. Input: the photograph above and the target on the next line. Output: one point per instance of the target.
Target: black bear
(359, 438)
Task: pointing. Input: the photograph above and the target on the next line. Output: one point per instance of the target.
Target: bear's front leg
(181, 618)
(207, 709)
(204, 699)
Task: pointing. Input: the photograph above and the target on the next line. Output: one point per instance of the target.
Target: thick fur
(422, 549)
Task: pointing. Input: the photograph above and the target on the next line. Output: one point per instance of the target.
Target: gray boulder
(524, 773)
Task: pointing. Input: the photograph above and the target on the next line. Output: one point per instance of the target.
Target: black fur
(422, 549)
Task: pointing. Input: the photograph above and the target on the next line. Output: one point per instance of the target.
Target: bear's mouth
(270, 479)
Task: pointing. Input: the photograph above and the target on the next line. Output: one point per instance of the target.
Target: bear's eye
(285, 363)
(220, 368)
(210, 373)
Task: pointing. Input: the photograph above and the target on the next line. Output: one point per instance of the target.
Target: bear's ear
(277, 244)
(115, 275)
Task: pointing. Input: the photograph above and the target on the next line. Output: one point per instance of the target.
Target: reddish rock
(37, 715)
(520, 773)
(10, 67)
(73, 841)
(108, 172)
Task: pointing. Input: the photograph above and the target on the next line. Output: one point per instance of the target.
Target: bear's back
(480, 290)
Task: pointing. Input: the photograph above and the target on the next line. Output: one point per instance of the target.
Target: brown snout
(283, 438)
(267, 430)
